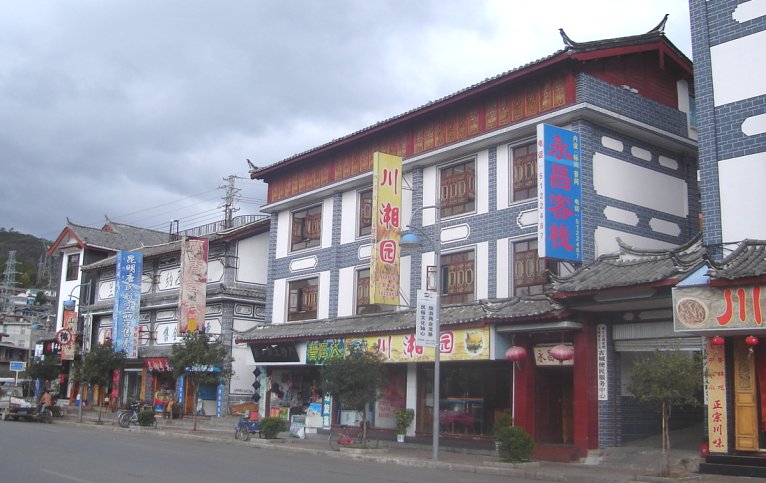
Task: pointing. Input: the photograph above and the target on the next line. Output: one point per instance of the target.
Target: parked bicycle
(351, 437)
(129, 416)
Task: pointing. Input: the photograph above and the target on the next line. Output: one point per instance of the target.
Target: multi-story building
(474, 155)
(235, 299)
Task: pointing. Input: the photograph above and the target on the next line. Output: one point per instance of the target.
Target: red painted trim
(723, 282)
(52, 250)
(585, 402)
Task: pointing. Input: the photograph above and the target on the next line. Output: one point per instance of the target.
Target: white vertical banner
(425, 319)
(602, 363)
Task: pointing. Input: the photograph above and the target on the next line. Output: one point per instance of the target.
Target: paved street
(39, 453)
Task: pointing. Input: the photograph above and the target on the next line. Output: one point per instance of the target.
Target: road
(56, 453)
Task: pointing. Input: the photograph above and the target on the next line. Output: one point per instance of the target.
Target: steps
(750, 465)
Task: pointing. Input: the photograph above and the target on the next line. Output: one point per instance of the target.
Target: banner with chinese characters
(602, 363)
(454, 345)
(127, 301)
(714, 308)
(193, 285)
(66, 336)
(543, 357)
(559, 194)
(715, 394)
(320, 351)
(386, 217)
(425, 318)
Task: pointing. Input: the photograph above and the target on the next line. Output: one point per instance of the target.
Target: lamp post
(87, 318)
(411, 240)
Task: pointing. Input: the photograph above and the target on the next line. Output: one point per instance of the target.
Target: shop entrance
(553, 405)
(131, 390)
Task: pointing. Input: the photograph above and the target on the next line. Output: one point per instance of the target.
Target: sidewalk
(624, 464)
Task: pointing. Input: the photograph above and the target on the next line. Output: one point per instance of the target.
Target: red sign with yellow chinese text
(386, 219)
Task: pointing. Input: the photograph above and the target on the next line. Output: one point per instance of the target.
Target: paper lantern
(717, 340)
(516, 353)
(562, 352)
(751, 340)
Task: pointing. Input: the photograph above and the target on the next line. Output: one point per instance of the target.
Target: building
(474, 154)
(723, 300)
(235, 300)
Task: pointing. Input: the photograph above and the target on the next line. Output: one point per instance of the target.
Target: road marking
(66, 477)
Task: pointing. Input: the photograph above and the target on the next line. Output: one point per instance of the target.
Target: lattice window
(458, 277)
(529, 275)
(458, 189)
(524, 173)
(365, 213)
(306, 230)
(302, 299)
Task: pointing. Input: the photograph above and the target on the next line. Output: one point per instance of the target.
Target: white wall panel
(730, 61)
(253, 254)
(606, 241)
(743, 197)
(346, 282)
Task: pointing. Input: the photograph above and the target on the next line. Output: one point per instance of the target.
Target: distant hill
(29, 250)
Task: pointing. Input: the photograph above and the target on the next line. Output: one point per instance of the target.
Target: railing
(218, 226)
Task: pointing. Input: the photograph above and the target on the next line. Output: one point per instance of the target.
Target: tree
(97, 366)
(355, 381)
(664, 380)
(201, 361)
(46, 369)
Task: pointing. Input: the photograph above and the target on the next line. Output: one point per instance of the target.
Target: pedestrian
(46, 402)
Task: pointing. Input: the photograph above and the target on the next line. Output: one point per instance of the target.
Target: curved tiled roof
(632, 266)
(116, 236)
(748, 260)
(483, 311)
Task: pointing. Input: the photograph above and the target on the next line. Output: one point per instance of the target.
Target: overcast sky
(137, 109)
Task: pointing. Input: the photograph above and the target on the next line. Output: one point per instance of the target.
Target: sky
(138, 109)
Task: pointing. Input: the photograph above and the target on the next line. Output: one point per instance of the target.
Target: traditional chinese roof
(631, 267)
(110, 237)
(479, 312)
(748, 260)
(579, 51)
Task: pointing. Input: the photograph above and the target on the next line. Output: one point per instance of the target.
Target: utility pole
(44, 269)
(231, 196)
(9, 279)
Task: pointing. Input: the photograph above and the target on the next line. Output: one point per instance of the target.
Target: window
(458, 277)
(302, 299)
(457, 185)
(306, 229)
(73, 267)
(363, 305)
(364, 221)
(524, 173)
(529, 277)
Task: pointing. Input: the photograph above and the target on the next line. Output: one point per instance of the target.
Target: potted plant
(404, 418)
(504, 421)
(515, 444)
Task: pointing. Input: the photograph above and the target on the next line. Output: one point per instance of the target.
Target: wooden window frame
(458, 273)
(457, 188)
(72, 267)
(523, 172)
(302, 299)
(364, 214)
(306, 228)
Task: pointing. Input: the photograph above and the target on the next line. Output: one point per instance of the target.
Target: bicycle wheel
(333, 439)
(123, 419)
(244, 434)
(46, 416)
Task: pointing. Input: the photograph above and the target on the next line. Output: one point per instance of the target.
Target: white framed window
(306, 228)
(457, 188)
(364, 213)
(529, 271)
(523, 172)
(302, 299)
(458, 277)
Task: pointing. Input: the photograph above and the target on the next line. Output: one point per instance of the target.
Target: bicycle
(351, 436)
(126, 417)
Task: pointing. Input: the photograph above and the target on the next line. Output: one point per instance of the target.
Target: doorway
(553, 405)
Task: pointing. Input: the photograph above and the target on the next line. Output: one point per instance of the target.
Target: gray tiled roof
(116, 236)
(748, 260)
(482, 311)
(632, 267)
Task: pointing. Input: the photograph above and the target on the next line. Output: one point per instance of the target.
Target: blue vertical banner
(559, 194)
(127, 301)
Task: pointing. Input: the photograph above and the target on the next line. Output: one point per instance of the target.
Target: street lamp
(411, 240)
(86, 333)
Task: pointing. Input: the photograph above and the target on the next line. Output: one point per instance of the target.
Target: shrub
(270, 427)
(404, 418)
(146, 418)
(504, 421)
(515, 444)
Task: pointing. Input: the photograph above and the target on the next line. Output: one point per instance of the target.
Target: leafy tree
(664, 380)
(46, 369)
(97, 366)
(201, 361)
(355, 381)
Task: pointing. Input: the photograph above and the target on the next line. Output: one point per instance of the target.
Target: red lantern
(751, 340)
(516, 353)
(562, 352)
(717, 341)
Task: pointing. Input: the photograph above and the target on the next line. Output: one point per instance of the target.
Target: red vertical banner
(66, 336)
(385, 233)
(193, 285)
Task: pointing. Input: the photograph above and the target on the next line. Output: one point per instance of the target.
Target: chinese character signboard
(386, 217)
(715, 392)
(543, 356)
(713, 308)
(559, 194)
(193, 286)
(320, 351)
(127, 301)
(454, 345)
(601, 363)
(425, 319)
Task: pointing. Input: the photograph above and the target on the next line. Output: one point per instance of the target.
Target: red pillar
(585, 400)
